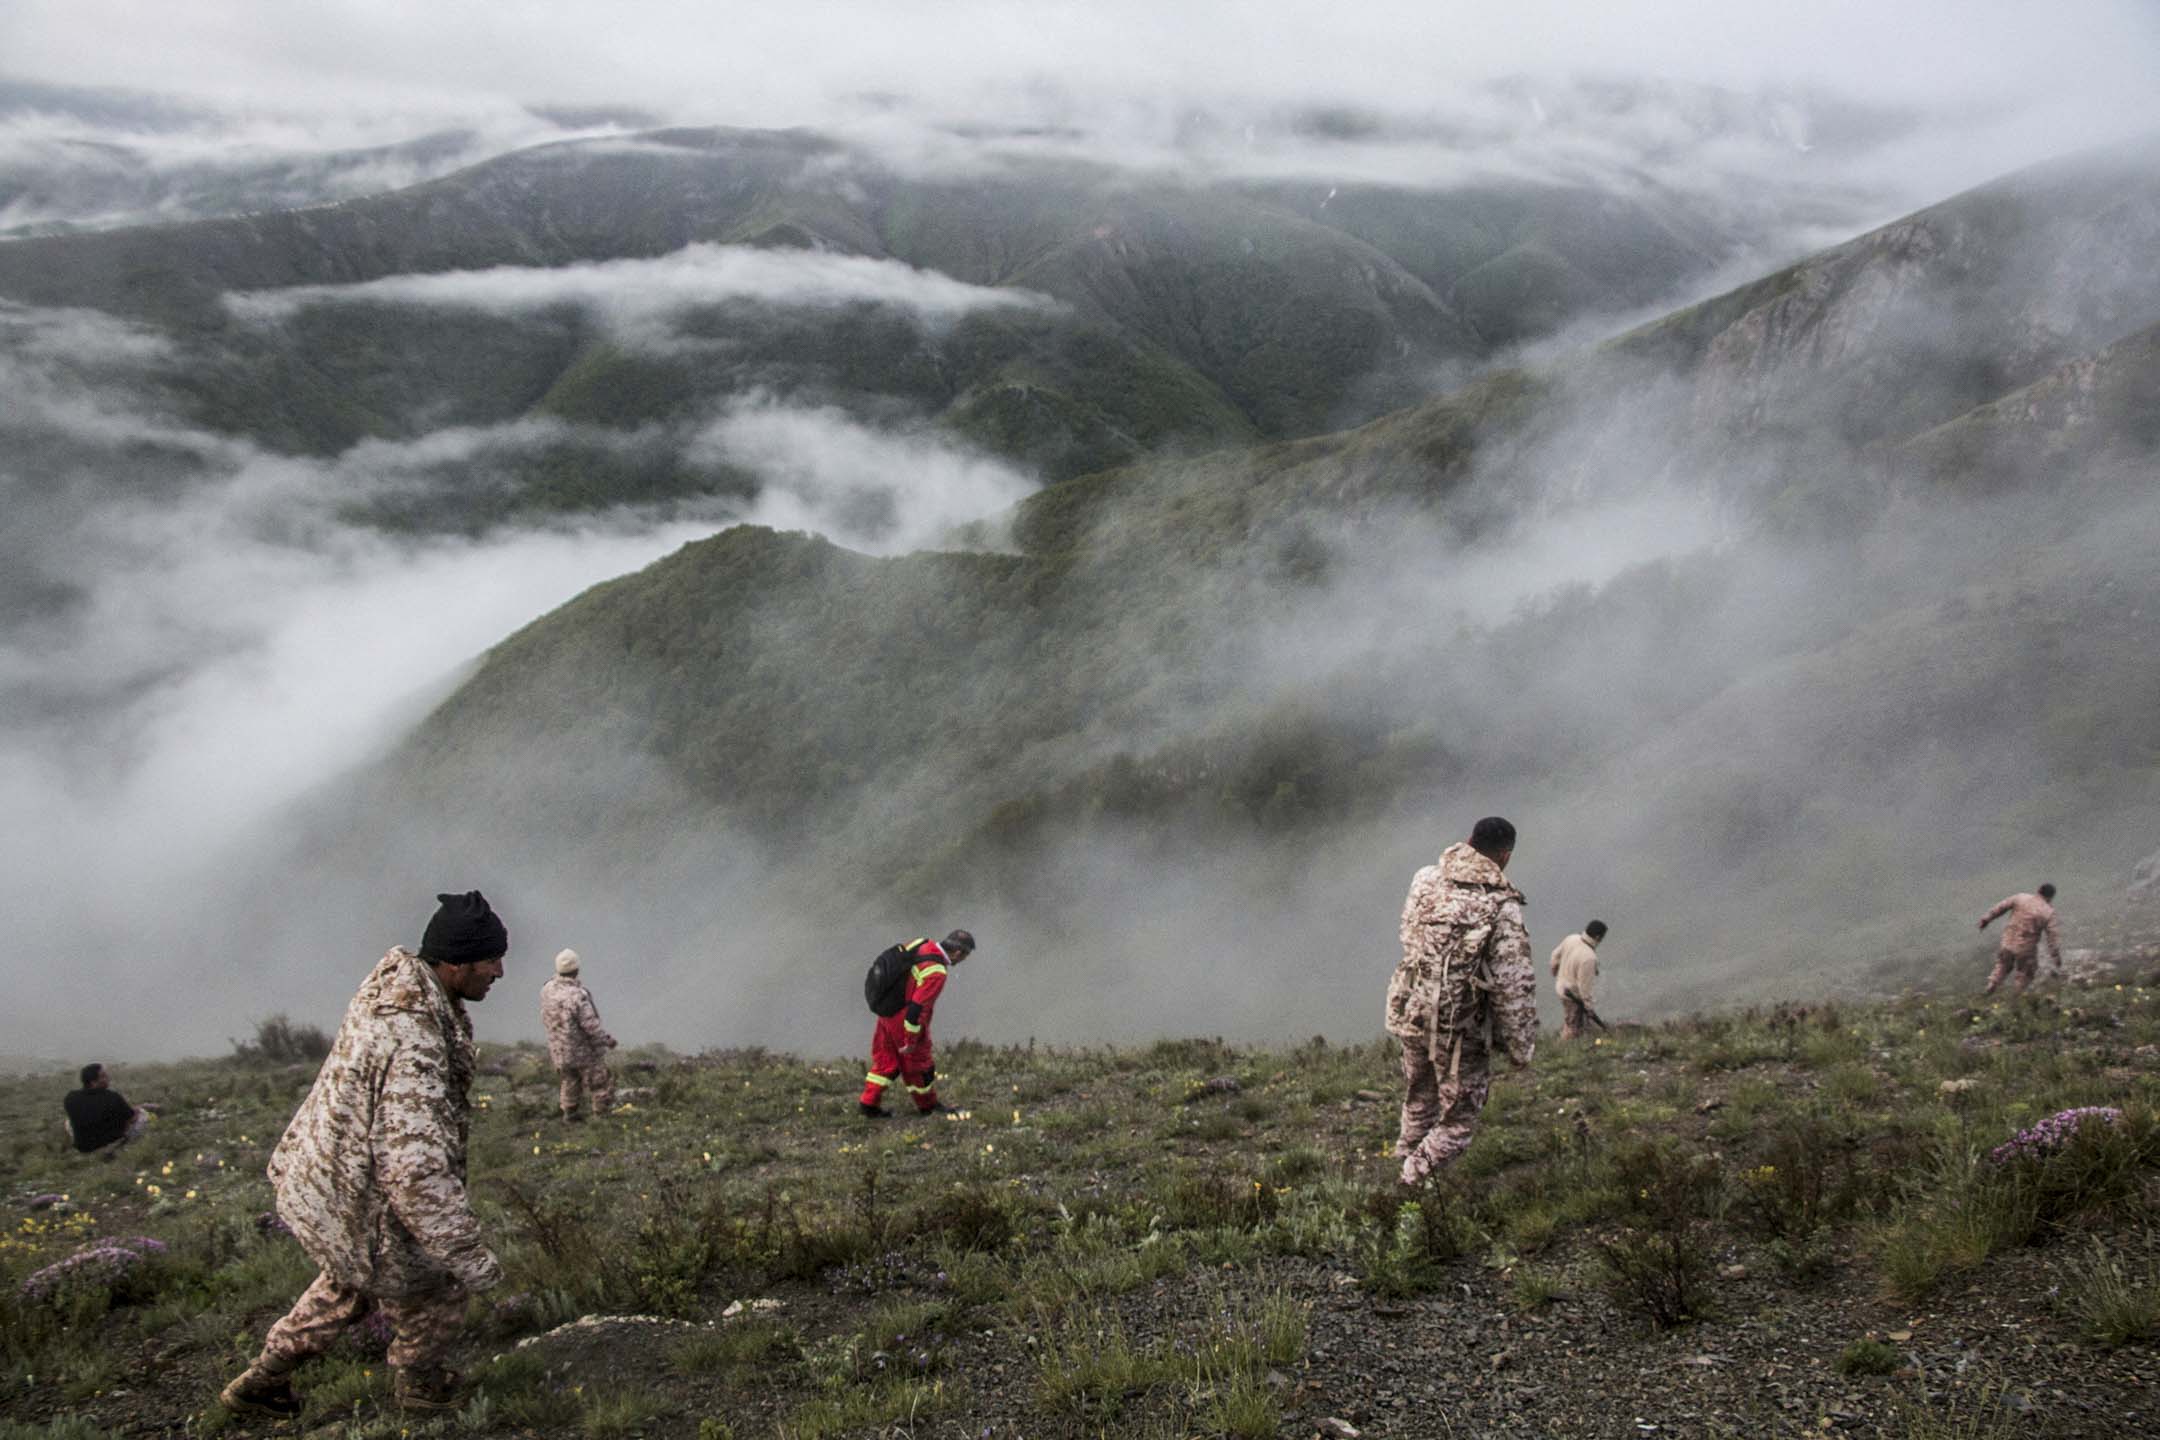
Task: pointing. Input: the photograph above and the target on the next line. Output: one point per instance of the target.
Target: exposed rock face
(1920, 321)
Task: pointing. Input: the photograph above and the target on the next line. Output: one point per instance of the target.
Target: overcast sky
(777, 63)
(2020, 79)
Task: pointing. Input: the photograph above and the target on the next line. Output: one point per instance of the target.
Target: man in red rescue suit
(900, 1046)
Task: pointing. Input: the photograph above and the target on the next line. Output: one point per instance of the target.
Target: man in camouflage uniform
(2032, 916)
(1465, 984)
(577, 1042)
(371, 1173)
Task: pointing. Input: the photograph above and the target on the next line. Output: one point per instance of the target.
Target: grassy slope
(1108, 1245)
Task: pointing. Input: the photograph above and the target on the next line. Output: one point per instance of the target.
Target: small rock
(1276, 1380)
(1958, 1087)
(1221, 1085)
(1371, 1097)
(1709, 1105)
(1338, 1429)
(45, 1202)
(1733, 1272)
(1901, 1336)
(1500, 1359)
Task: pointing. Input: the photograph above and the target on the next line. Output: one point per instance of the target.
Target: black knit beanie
(464, 931)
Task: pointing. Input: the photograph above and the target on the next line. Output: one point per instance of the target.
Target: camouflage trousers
(422, 1327)
(1439, 1115)
(578, 1080)
(1574, 1017)
(2008, 963)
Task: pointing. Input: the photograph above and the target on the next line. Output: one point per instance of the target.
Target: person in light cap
(577, 1042)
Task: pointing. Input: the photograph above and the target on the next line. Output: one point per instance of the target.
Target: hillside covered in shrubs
(1923, 1218)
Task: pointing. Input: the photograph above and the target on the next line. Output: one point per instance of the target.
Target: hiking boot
(940, 1108)
(871, 1112)
(258, 1393)
(426, 1389)
(573, 1119)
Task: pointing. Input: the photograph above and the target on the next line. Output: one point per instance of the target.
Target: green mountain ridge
(1873, 685)
(1188, 317)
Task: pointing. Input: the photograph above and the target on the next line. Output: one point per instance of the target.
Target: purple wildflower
(97, 1267)
(2052, 1134)
(269, 1223)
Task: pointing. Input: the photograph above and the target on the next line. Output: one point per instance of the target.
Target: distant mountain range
(1180, 316)
(1773, 619)
(1914, 643)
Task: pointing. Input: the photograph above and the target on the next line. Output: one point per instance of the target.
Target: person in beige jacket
(2032, 920)
(1574, 968)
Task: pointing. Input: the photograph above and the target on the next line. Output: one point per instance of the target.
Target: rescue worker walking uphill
(900, 1046)
(371, 1172)
(1464, 985)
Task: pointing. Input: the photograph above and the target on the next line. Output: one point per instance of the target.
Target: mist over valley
(1140, 525)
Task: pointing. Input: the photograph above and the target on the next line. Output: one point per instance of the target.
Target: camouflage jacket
(2030, 918)
(371, 1172)
(576, 1037)
(1466, 959)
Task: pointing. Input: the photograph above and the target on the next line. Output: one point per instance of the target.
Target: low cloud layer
(198, 634)
(192, 648)
(86, 159)
(641, 298)
(1414, 94)
(873, 489)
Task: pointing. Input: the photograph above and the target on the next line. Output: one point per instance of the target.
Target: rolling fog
(198, 638)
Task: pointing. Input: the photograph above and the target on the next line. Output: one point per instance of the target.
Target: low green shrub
(2108, 1305)
(1662, 1274)
(1868, 1357)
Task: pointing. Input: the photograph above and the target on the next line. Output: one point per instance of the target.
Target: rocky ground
(1778, 1223)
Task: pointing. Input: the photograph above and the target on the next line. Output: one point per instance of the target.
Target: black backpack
(885, 987)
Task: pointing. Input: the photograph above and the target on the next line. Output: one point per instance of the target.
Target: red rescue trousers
(889, 1061)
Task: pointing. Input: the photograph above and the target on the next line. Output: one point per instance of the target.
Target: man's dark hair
(960, 940)
(2047, 892)
(1595, 929)
(1492, 836)
(89, 1073)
